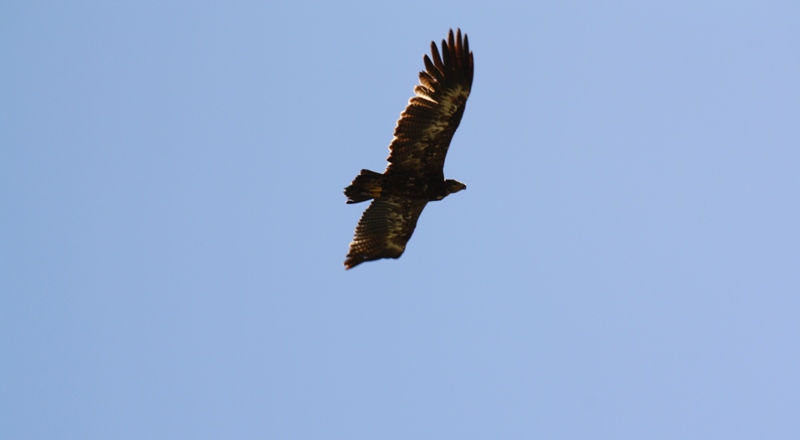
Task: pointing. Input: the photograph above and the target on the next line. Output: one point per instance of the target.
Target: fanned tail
(367, 185)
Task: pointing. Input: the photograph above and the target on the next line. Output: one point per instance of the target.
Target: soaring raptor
(415, 174)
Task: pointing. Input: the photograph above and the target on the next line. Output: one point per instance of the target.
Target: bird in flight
(415, 174)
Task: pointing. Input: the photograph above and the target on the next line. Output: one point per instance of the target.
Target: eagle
(415, 173)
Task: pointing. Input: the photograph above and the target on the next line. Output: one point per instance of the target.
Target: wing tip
(353, 260)
(455, 57)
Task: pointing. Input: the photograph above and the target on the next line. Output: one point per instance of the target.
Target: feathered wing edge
(384, 229)
(426, 126)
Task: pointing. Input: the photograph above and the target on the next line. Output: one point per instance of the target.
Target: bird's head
(454, 186)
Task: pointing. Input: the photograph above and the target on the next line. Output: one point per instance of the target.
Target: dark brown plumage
(415, 174)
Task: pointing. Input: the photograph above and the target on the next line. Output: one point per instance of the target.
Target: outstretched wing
(426, 127)
(384, 229)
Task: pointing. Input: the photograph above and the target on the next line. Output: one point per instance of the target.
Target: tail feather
(365, 186)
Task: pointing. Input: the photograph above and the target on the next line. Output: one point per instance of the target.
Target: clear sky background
(625, 263)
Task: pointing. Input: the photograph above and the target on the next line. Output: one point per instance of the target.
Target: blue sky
(624, 263)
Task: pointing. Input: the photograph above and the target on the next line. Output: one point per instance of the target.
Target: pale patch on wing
(454, 100)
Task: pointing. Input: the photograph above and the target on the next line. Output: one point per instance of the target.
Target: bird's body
(415, 174)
